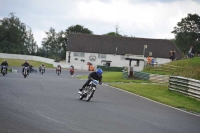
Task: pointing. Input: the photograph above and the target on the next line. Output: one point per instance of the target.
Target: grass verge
(18, 63)
(188, 68)
(115, 77)
(160, 93)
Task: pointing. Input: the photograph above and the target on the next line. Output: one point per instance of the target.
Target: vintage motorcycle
(58, 70)
(4, 70)
(89, 90)
(71, 71)
(42, 70)
(25, 72)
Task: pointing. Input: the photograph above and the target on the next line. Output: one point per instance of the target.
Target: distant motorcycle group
(26, 69)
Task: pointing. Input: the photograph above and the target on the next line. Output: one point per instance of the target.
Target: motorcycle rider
(41, 67)
(71, 70)
(58, 67)
(93, 75)
(26, 64)
(4, 63)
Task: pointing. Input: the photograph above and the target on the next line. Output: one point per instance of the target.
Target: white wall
(35, 58)
(116, 61)
(26, 57)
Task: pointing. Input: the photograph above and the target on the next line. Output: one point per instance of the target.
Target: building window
(75, 54)
(102, 56)
(82, 54)
(79, 54)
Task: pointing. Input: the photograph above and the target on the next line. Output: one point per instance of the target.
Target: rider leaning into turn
(94, 75)
(41, 67)
(4, 63)
(26, 64)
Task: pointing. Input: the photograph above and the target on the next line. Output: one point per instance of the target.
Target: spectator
(173, 55)
(148, 60)
(170, 55)
(191, 52)
(152, 62)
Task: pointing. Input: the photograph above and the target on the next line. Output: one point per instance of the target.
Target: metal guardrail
(141, 75)
(187, 86)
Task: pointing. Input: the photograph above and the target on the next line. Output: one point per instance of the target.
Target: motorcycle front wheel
(90, 95)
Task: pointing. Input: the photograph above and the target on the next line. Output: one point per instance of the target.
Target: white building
(114, 51)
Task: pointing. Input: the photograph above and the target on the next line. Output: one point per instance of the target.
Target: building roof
(121, 45)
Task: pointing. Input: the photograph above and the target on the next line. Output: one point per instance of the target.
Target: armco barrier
(187, 86)
(108, 68)
(159, 78)
(141, 75)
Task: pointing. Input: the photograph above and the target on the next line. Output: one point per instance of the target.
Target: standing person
(93, 75)
(173, 55)
(26, 64)
(148, 60)
(191, 52)
(152, 62)
(4, 63)
(170, 55)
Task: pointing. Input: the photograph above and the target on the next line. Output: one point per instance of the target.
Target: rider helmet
(26, 61)
(99, 72)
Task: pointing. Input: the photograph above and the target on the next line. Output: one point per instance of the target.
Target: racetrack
(50, 104)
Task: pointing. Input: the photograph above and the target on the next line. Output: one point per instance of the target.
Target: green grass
(189, 62)
(115, 77)
(156, 72)
(18, 63)
(189, 68)
(160, 93)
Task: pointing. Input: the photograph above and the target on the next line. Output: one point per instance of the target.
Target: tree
(51, 43)
(187, 33)
(62, 40)
(116, 33)
(112, 34)
(78, 29)
(30, 43)
(13, 36)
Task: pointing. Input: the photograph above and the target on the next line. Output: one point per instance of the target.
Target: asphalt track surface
(50, 104)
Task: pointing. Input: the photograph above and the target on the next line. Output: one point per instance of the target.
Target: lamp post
(64, 43)
(47, 47)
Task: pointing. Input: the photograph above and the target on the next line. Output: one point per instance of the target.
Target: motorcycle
(88, 91)
(25, 72)
(4, 70)
(42, 70)
(58, 70)
(71, 71)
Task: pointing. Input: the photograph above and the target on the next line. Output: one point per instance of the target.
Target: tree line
(17, 38)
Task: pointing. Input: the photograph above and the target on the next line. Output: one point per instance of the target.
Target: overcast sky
(139, 18)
